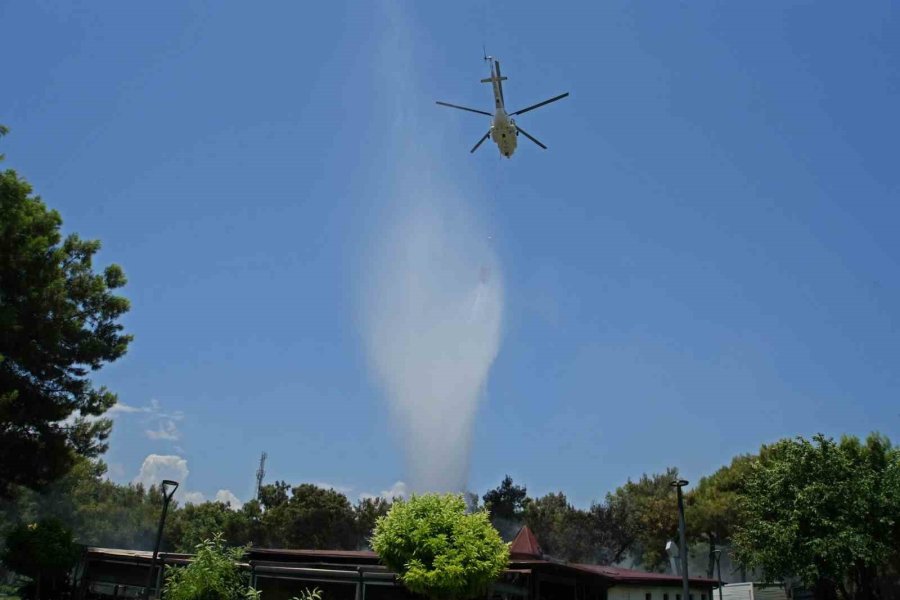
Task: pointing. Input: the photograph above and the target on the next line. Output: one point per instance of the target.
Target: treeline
(823, 511)
(102, 513)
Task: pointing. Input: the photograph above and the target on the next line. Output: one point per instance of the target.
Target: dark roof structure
(354, 574)
(525, 546)
(622, 575)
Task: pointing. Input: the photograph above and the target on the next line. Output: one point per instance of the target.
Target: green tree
(439, 550)
(611, 540)
(273, 495)
(506, 506)
(100, 512)
(551, 519)
(58, 322)
(213, 574)
(367, 512)
(195, 523)
(3, 131)
(572, 534)
(648, 515)
(712, 511)
(826, 512)
(43, 551)
(311, 518)
(506, 501)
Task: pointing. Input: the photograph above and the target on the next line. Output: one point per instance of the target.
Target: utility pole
(260, 473)
(686, 590)
(167, 488)
(718, 553)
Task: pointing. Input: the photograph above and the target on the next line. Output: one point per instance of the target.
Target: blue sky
(704, 260)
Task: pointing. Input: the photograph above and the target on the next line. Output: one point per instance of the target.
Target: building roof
(525, 546)
(363, 556)
(620, 575)
(525, 556)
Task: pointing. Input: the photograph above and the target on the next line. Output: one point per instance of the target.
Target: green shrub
(43, 551)
(437, 549)
(213, 574)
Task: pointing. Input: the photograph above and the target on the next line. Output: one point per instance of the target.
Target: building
(358, 575)
(753, 591)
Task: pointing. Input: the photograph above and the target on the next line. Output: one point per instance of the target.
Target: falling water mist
(432, 317)
(432, 299)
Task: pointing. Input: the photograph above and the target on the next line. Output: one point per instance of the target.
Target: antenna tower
(260, 473)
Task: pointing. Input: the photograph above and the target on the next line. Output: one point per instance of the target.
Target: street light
(685, 594)
(167, 497)
(718, 553)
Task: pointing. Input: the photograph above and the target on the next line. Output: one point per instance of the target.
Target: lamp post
(167, 497)
(685, 594)
(718, 553)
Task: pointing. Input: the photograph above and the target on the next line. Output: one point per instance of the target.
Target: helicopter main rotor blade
(481, 141)
(533, 139)
(474, 110)
(538, 105)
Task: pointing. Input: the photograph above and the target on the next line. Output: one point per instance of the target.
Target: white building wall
(639, 592)
(750, 591)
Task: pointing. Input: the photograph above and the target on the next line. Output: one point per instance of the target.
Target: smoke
(432, 306)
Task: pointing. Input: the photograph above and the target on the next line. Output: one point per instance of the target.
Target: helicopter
(504, 130)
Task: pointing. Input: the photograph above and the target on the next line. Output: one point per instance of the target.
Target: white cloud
(228, 498)
(121, 407)
(343, 489)
(398, 490)
(167, 431)
(162, 424)
(193, 498)
(157, 467)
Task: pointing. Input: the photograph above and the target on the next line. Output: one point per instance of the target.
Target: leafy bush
(437, 549)
(43, 551)
(307, 594)
(213, 574)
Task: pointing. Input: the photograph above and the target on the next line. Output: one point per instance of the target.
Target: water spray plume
(432, 302)
(433, 316)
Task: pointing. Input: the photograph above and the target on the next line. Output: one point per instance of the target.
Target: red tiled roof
(525, 545)
(633, 576)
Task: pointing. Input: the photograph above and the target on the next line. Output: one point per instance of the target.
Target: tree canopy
(506, 501)
(439, 550)
(506, 506)
(58, 323)
(713, 507)
(826, 512)
(648, 516)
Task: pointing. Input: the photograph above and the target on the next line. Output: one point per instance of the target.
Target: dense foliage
(506, 505)
(213, 574)
(44, 552)
(826, 512)
(99, 512)
(713, 508)
(58, 323)
(801, 508)
(438, 549)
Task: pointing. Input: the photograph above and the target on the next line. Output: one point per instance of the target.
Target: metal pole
(683, 551)
(719, 570)
(159, 531)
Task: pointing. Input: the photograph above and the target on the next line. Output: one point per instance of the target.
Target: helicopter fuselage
(503, 132)
(503, 128)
